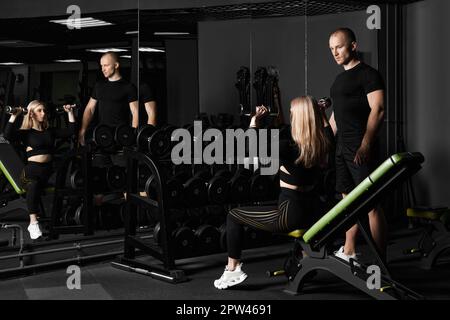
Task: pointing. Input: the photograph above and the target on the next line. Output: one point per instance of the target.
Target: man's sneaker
(230, 278)
(34, 230)
(340, 254)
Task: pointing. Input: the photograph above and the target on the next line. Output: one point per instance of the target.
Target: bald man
(115, 97)
(358, 112)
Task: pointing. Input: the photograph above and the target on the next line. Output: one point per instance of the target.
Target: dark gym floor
(103, 282)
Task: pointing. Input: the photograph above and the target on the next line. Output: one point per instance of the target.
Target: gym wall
(182, 81)
(427, 102)
(21, 88)
(224, 46)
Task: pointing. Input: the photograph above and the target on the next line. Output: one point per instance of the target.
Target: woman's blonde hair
(27, 122)
(307, 132)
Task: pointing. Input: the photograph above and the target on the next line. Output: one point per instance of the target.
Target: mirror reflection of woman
(38, 140)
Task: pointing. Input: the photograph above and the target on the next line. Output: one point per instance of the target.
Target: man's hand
(363, 154)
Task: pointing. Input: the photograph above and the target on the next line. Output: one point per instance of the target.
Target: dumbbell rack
(85, 192)
(163, 252)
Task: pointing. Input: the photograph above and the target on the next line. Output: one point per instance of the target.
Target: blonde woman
(301, 159)
(39, 142)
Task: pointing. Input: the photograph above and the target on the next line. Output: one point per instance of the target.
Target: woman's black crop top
(42, 142)
(299, 175)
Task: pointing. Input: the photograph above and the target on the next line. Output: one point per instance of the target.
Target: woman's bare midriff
(42, 158)
(287, 185)
(291, 186)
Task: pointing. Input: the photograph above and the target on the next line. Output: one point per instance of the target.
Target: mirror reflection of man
(116, 98)
(358, 112)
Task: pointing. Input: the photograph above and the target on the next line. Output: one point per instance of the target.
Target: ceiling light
(82, 22)
(104, 50)
(132, 32)
(169, 33)
(150, 50)
(68, 60)
(11, 63)
(126, 57)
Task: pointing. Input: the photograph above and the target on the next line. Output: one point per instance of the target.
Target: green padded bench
(353, 209)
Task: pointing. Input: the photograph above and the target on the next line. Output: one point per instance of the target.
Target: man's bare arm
(150, 108)
(376, 116)
(332, 122)
(87, 118)
(134, 109)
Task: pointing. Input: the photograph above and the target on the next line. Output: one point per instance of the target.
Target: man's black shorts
(348, 173)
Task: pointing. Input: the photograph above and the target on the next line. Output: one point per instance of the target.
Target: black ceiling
(41, 40)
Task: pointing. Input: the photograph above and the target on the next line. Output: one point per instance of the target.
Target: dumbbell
(214, 215)
(325, 102)
(260, 187)
(155, 142)
(239, 186)
(217, 187)
(103, 136)
(192, 218)
(207, 239)
(182, 238)
(195, 192)
(76, 179)
(79, 215)
(116, 178)
(144, 173)
(172, 187)
(125, 136)
(68, 218)
(98, 179)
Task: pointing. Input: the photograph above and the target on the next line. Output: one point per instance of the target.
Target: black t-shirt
(351, 107)
(146, 93)
(113, 98)
(299, 175)
(41, 142)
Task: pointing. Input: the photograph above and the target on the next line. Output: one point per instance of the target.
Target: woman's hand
(261, 112)
(16, 112)
(324, 103)
(68, 108)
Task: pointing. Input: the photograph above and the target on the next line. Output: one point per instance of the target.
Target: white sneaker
(230, 278)
(340, 254)
(34, 230)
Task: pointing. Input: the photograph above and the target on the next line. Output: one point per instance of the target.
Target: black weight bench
(317, 241)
